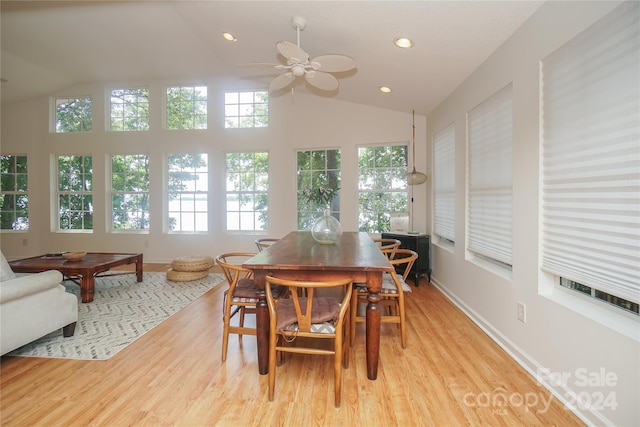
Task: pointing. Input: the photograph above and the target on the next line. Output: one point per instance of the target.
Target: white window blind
(591, 156)
(490, 177)
(444, 182)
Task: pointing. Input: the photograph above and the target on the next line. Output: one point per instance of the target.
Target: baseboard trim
(587, 415)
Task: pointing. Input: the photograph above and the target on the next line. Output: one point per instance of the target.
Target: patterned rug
(122, 311)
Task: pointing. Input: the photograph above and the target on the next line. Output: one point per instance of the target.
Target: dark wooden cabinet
(418, 243)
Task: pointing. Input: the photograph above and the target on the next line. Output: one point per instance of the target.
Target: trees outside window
(317, 168)
(247, 191)
(188, 184)
(14, 197)
(75, 192)
(129, 109)
(73, 115)
(186, 107)
(382, 186)
(130, 192)
(246, 109)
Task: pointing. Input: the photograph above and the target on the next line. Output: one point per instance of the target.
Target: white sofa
(32, 306)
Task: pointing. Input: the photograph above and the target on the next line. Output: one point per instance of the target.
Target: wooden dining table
(298, 256)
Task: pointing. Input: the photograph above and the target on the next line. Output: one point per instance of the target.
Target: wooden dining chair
(386, 244)
(310, 316)
(240, 298)
(262, 244)
(394, 286)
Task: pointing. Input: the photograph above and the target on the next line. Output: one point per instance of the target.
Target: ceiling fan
(316, 71)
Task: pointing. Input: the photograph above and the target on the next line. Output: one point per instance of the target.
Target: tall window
(591, 160)
(75, 192)
(73, 115)
(247, 191)
(14, 197)
(187, 107)
(490, 178)
(246, 109)
(129, 109)
(317, 168)
(130, 192)
(188, 178)
(444, 183)
(382, 186)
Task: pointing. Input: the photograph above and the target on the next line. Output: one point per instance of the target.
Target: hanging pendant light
(414, 177)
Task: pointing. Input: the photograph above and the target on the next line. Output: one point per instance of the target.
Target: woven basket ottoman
(188, 268)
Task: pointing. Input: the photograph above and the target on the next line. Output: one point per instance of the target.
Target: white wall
(298, 121)
(562, 333)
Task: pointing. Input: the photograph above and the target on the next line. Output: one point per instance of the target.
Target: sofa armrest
(29, 284)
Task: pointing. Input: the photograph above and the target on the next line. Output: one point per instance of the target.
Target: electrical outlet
(25, 242)
(146, 243)
(522, 312)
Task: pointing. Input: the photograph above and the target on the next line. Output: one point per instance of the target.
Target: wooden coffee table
(86, 270)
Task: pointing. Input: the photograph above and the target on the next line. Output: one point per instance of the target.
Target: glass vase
(326, 230)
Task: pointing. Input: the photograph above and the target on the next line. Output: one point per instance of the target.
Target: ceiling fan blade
(334, 63)
(320, 80)
(292, 52)
(280, 82)
(260, 64)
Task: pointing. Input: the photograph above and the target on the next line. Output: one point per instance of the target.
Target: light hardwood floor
(451, 374)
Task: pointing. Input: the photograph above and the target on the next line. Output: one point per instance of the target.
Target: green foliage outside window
(187, 107)
(74, 115)
(246, 109)
(130, 192)
(75, 197)
(14, 201)
(382, 186)
(130, 109)
(317, 169)
(188, 192)
(247, 189)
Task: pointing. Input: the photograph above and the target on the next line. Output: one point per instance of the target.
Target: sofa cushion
(6, 273)
(23, 286)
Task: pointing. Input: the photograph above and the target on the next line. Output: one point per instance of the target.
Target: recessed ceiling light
(229, 36)
(385, 89)
(403, 42)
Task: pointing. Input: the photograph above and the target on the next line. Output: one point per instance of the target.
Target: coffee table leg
(87, 287)
(139, 268)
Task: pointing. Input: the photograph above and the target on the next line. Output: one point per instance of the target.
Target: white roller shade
(490, 177)
(444, 181)
(591, 156)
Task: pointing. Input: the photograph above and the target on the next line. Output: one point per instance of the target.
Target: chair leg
(241, 323)
(272, 364)
(352, 316)
(225, 333)
(403, 324)
(337, 367)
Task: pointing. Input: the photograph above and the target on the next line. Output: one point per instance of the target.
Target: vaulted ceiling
(49, 46)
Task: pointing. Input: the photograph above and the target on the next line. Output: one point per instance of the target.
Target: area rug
(122, 311)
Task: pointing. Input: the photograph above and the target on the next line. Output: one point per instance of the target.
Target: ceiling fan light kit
(316, 71)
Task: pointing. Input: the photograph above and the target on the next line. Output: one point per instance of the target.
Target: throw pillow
(6, 273)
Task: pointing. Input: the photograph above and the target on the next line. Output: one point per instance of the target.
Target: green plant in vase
(327, 229)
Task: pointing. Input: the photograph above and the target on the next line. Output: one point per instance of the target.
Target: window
(247, 190)
(129, 109)
(187, 107)
(74, 194)
(591, 160)
(14, 199)
(73, 115)
(130, 192)
(490, 179)
(246, 109)
(188, 192)
(382, 186)
(444, 183)
(317, 168)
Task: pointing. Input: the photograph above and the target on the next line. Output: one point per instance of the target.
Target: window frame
(195, 193)
(444, 185)
(144, 118)
(114, 193)
(256, 190)
(196, 112)
(316, 175)
(83, 194)
(250, 108)
(399, 189)
(16, 192)
(57, 101)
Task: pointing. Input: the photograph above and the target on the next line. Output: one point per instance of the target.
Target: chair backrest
(308, 309)
(404, 257)
(386, 244)
(231, 265)
(264, 243)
